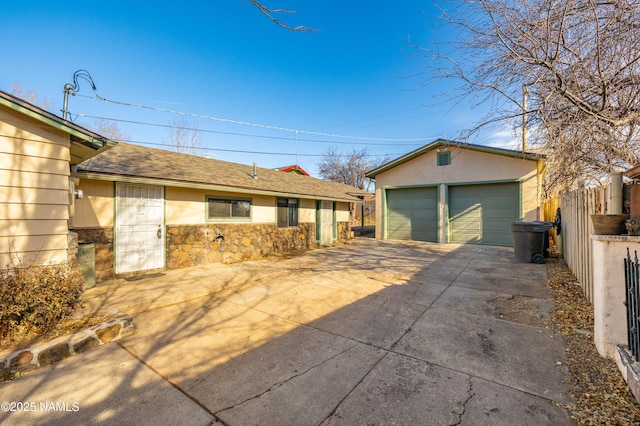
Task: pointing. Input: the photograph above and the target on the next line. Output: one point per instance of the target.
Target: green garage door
(412, 214)
(482, 214)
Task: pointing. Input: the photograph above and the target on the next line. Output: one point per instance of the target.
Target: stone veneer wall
(72, 249)
(344, 231)
(189, 245)
(103, 240)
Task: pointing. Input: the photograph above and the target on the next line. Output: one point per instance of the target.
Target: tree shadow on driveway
(377, 332)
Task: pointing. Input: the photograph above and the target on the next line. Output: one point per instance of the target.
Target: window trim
(289, 205)
(208, 218)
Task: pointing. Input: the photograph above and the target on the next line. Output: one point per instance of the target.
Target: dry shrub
(35, 298)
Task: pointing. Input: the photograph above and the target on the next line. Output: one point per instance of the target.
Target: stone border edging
(47, 353)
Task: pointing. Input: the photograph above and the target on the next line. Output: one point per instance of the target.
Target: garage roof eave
(447, 143)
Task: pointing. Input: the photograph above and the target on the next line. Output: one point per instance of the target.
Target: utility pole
(525, 92)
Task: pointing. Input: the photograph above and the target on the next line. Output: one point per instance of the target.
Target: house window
(444, 158)
(287, 212)
(227, 208)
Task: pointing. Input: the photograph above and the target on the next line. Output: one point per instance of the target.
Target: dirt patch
(601, 395)
(522, 310)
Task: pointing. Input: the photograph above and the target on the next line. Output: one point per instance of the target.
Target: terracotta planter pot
(608, 224)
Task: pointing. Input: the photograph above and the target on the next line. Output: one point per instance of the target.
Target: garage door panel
(412, 214)
(467, 214)
(400, 231)
(468, 226)
(482, 213)
(467, 238)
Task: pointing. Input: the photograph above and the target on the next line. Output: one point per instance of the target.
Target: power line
(250, 152)
(264, 126)
(245, 134)
(205, 148)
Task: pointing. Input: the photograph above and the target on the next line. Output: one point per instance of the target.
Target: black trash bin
(529, 240)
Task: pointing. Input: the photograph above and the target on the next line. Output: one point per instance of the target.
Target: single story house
(452, 192)
(147, 209)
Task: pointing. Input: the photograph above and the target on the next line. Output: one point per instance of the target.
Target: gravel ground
(601, 395)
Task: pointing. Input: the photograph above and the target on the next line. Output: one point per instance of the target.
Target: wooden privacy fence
(576, 208)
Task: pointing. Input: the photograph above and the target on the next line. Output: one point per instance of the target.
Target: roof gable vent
(444, 158)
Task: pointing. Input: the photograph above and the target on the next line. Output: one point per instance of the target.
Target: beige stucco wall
(306, 211)
(96, 209)
(342, 212)
(467, 166)
(34, 191)
(187, 206)
(609, 312)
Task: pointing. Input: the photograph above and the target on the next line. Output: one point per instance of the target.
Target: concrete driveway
(375, 332)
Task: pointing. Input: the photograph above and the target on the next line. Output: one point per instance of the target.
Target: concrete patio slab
(374, 332)
(508, 268)
(301, 390)
(103, 386)
(376, 320)
(522, 357)
(469, 300)
(185, 341)
(494, 404)
(405, 391)
(502, 284)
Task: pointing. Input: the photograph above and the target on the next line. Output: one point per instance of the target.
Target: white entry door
(139, 228)
(326, 227)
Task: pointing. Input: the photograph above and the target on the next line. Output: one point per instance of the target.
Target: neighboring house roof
(451, 144)
(84, 143)
(133, 163)
(292, 169)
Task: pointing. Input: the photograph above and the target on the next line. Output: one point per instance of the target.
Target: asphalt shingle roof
(127, 161)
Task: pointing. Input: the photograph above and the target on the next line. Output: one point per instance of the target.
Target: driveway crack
(465, 402)
(283, 382)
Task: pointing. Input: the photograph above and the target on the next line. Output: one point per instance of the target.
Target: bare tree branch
(580, 63)
(349, 168)
(108, 129)
(30, 96)
(184, 136)
(269, 13)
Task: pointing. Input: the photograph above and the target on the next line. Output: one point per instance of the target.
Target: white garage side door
(482, 214)
(412, 214)
(139, 228)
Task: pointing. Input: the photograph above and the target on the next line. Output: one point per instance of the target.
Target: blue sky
(356, 77)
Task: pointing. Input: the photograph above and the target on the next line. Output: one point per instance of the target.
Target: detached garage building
(452, 192)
